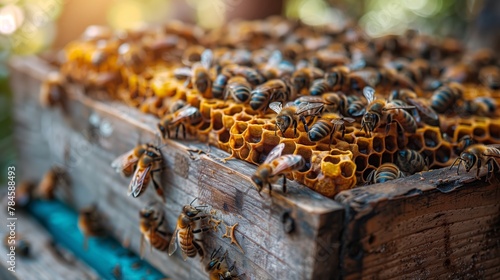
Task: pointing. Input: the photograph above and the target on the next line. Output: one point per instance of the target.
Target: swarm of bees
(399, 104)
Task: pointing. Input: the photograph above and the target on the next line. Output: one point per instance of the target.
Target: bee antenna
(193, 201)
(460, 160)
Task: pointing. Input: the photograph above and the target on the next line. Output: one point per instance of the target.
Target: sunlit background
(32, 26)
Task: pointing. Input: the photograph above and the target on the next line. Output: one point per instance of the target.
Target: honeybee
(185, 230)
(459, 73)
(126, 163)
(377, 109)
(477, 154)
(272, 90)
(333, 102)
(146, 166)
(479, 106)
(199, 73)
(422, 111)
(410, 161)
(90, 223)
(192, 55)
(402, 117)
(52, 91)
(17, 242)
(153, 228)
(239, 89)
(319, 87)
(252, 75)
(367, 77)
(132, 57)
(327, 125)
(463, 144)
(218, 268)
(338, 78)
(271, 69)
(50, 181)
(303, 76)
(291, 114)
(490, 77)
(176, 106)
(275, 166)
(219, 85)
(445, 97)
(185, 115)
(356, 107)
(384, 173)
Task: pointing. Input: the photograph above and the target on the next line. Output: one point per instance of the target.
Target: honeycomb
(142, 69)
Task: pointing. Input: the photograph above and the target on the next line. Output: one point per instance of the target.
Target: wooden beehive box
(424, 226)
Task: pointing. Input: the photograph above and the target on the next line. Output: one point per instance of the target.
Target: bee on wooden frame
(477, 155)
(276, 166)
(148, 164)
(187, 115)
(184, 232)
(153, 228)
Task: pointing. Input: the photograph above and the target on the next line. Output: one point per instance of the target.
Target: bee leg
(331, 138)
(489, 175)
(370, 177)
(199, 248)
(478, 167)
(158, 189)
(270, 189)
(303, 120)
(177, 131)
(284, 183)
(200, 230)
(183, 131)
(294, 123)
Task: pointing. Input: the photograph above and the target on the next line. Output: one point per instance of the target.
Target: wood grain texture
(427, 226)
(43, 255)
(86, 148)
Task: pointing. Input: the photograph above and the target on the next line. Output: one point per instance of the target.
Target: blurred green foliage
(7, 151)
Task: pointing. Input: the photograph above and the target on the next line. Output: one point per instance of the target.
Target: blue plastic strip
(103, 254)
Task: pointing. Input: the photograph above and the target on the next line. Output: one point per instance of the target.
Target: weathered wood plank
(43, 255)
(422, 227)
(68, 138)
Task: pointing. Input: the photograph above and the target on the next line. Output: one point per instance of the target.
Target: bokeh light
(11, 18)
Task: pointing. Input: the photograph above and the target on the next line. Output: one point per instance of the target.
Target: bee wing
(369, 94)
(172, 246)
(206, 58)
(304, 107)
(184, 71)
(341, 121)
(399, 107)
(275, 58)
(275, 153)
(276, 107)
(184, 112)
(124, 161)
(137, 183)
(283, 165)
(310, 99)
(424, 109)
(264, 88)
